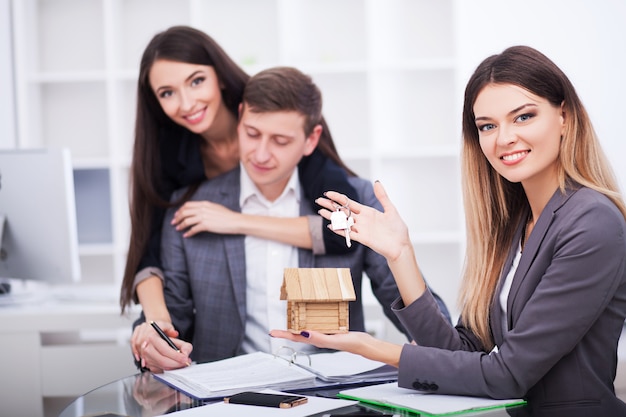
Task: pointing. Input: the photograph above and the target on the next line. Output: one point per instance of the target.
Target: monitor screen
(39, 239)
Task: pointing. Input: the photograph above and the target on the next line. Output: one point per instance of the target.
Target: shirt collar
(249, 189)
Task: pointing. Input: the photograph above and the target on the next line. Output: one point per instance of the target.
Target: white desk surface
(61, 307)
(46, 327)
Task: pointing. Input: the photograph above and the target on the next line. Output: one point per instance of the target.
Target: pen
(164, 336)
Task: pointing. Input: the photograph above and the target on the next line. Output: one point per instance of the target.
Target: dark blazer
(205, 276)
(182, 166)
(565, 313)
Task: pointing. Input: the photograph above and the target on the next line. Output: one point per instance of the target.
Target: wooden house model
(317, 299)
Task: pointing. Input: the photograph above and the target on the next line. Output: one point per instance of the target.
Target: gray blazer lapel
(534, 242)
(495, 318)
(306, 259)
(495, 314)
(234, 245)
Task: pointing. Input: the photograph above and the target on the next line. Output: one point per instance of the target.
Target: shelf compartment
(408, 30)
(324, 31)
(125, 112)
(345, 98)
(426, 193)
(70, 35)
(413, 109)
(155, 16)
(224, 20)
(74, 115)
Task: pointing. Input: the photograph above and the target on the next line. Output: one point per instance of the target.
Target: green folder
(426, 404)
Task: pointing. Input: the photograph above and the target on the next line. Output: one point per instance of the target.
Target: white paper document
(263, 370)
(228, 376)
(342, 363)
(347, 367)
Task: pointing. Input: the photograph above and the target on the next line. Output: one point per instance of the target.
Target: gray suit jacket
(565, 313)
(205, 276)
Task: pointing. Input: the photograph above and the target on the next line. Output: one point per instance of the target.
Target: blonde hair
(494, 207)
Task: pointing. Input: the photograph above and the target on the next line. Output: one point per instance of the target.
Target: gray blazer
(565, 313)
(205, 276)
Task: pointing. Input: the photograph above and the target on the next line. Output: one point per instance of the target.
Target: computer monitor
(38, 239)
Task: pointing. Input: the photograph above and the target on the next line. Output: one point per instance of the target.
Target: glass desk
(142, 395)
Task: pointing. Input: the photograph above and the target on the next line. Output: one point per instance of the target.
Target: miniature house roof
(317, 284)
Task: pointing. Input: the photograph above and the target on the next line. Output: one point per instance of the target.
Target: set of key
(339, 220)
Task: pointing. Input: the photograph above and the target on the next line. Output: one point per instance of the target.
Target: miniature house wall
(317, 299)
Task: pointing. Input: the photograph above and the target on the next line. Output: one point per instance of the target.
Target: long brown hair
(181, 44)
(494, 206)
(188, 45)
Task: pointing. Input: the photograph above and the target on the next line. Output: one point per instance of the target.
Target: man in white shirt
(222, 291)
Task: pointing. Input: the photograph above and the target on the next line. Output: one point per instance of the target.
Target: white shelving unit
(386, 69)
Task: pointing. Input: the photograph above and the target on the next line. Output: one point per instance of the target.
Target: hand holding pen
(158, 351)
(164, 336)
(145, 331)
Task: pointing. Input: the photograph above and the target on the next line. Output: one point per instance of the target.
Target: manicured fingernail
(305, 334)
(325, 192)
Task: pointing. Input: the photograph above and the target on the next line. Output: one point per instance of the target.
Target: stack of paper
(246, 372)
(263, 370)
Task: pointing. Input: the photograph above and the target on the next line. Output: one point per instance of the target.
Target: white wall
(586, 38)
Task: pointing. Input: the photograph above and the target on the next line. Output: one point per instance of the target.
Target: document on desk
(221, 378)
(263, 370)
(345, 367)
(426, 404)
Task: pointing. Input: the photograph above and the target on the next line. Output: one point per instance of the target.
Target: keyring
(339, 220)
(338, 206)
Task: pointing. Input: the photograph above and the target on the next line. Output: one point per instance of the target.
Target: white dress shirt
(265, 264)
(506, 288)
